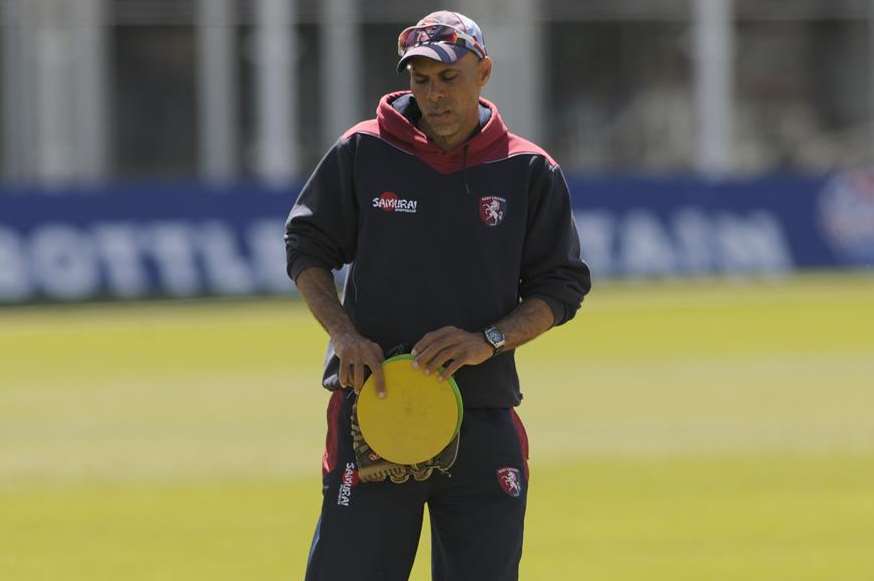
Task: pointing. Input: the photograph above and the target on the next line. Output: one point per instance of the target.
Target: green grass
(696, 430)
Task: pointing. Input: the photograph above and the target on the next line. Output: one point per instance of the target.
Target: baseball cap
(442, 36)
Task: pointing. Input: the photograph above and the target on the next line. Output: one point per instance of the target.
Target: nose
(436, 91)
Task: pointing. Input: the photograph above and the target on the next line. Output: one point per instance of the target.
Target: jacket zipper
(464, 169)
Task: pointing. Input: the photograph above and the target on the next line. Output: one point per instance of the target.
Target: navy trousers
(370, 531)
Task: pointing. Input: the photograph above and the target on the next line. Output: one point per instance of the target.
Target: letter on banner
(15, 282)
(227, 271)
(117, 246)
(268, 255)
(64, 262)
(171, 246)
(596, 231)
(646, 247)
(754, 244)
(694, 235)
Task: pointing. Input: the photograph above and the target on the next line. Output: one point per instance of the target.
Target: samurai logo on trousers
(347, 483)
(492, 210)
(510, 481)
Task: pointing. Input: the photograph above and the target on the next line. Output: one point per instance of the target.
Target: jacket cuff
(558, 308)
(302, 262)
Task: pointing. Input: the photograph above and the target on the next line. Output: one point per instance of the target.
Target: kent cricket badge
(510, 481)
(492, 210)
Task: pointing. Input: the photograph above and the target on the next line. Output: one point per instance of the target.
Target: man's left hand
(453, 346)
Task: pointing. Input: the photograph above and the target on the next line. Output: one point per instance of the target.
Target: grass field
(680, 431)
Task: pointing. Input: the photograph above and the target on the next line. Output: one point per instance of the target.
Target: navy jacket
(440, 238)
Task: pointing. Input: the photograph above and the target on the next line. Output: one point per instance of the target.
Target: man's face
(448, 95)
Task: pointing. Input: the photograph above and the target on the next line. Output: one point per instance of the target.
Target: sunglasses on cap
(418, 35)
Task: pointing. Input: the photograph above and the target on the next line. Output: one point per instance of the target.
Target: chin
(446, 132)
(445, 129)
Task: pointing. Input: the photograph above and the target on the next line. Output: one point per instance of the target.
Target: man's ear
(485, 71)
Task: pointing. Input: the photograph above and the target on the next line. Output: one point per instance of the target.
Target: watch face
(494, 336)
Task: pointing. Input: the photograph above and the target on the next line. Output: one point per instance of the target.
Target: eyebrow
(443, 71)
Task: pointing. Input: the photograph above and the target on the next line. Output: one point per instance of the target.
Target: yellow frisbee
(418, 418)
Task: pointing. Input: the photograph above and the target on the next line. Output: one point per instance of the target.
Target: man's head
(448, 66)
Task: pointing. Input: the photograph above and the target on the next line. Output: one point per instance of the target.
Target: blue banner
(188, 240)
(142, 241)
(661, 227)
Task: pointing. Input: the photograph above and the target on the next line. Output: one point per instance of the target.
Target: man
(463, 247)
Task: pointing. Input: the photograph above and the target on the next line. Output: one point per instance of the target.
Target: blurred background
(706, 416)
(98, 90)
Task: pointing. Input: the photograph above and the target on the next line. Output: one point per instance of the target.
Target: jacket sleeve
(322, 226)
(552, 269)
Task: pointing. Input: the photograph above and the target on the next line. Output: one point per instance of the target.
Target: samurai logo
(510, 481)
(347, 483)
(492, 210)
(391, 202)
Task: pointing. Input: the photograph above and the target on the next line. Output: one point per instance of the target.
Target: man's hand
(355, 353)
(452, 346)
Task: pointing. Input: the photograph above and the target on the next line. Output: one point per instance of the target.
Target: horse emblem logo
(510, 481)
(492, 210)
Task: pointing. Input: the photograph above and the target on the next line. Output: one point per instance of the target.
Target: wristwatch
(495, 338)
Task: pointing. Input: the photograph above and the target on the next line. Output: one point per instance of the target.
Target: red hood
(491, 143)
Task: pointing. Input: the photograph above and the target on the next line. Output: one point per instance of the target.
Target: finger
(424, 359)
(441, 357)
(454, 365)
(358, 374)
(373, 359)
(428, 339)
(378, 377)
(344, 374)
(438, 353)
(420, 347)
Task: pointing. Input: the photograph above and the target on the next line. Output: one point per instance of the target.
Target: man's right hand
(355, 353)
